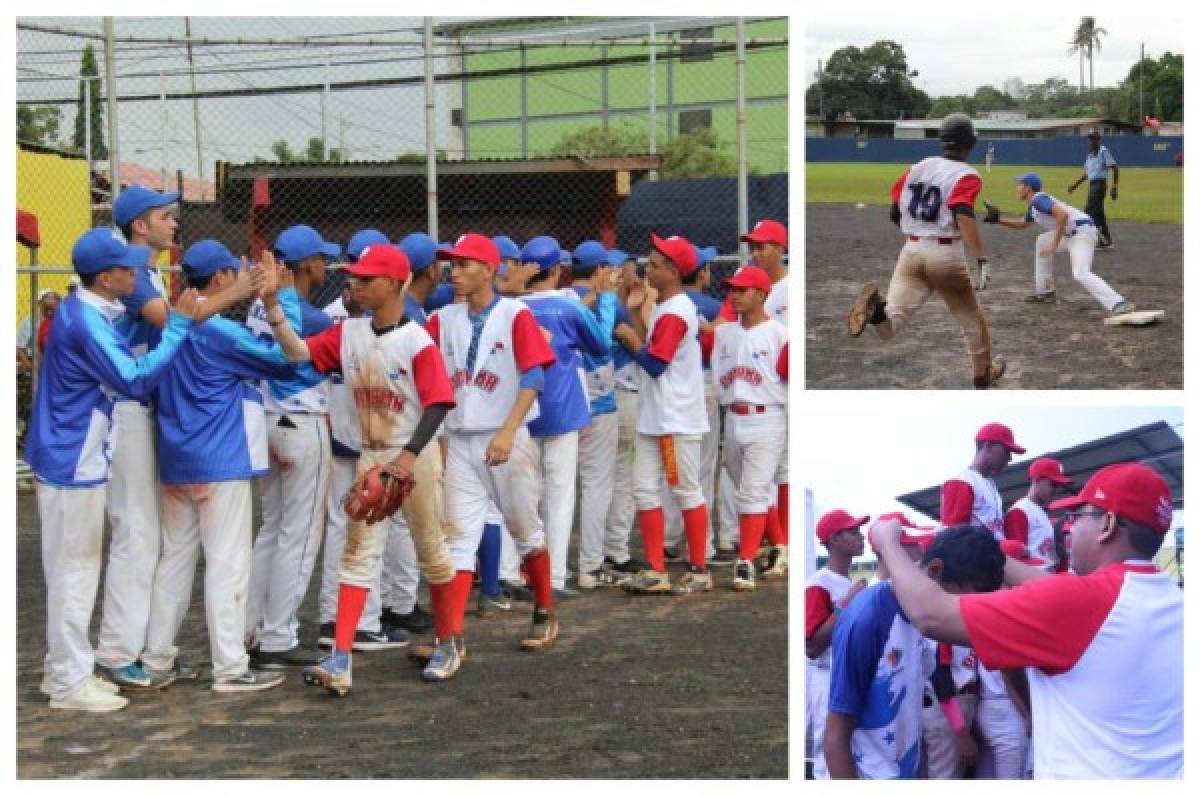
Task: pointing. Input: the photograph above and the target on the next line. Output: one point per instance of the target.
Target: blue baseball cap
(302, 241)
(508, 249)
(137, 199)
(1031, 179)
(704, 255)
(421, 250)
(590, 254)
(361, 240)
(206, 257)
(102, 248)
(542, 250)
(617, 258)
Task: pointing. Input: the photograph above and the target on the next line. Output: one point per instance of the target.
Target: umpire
(1095, 170)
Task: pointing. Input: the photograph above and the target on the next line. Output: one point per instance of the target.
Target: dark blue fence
(1129, 150)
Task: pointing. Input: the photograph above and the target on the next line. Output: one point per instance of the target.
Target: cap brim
(331, 250)
(135, 257)
(1014, 447)
(1073, 502)
(1062, 480)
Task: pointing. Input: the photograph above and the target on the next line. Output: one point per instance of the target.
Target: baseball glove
(993, 213)
(378, 494)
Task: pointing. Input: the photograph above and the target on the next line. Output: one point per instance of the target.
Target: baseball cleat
(868, 308)
(1049, 297)
(387, 638)
(648, 582)
(250, 680)
(333, 674)
(777, 563)
(1124, 308)
(672, 555)
(99, 682)
(91, 698)
(296, 656)
(542, 632)
(743, 576)
(444, 661)
(691, 582)
(587, 581)
(488, 605)
(326, 633)
(995, 371)
(418, 620)
(420, 654)
(135, 676)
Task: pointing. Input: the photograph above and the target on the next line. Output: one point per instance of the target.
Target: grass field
(1153, 195)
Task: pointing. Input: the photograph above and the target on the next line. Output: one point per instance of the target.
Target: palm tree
(1085, 41)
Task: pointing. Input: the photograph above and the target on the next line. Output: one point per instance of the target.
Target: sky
(956, 56)
(860, 459)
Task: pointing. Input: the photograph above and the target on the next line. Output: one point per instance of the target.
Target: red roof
(194, 190)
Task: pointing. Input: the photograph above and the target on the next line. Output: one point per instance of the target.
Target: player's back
(927, 192)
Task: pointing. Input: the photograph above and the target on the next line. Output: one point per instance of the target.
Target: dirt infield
(1065, 345)
(636, 688)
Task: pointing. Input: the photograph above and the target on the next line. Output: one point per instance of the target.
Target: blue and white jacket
(88, 364)
(308, 390)
(599, 371)
(563, 402)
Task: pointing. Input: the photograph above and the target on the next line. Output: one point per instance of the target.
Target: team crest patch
(1163, 512)
(893, 657)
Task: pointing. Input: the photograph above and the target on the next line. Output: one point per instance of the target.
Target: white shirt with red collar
(750, 366)
(392, 376)
(1105, 658)
(825, 588)
(1029, 524)
(673, 403)
(971, 498)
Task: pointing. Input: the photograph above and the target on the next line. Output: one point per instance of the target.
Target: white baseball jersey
(673, 403)
(510, 343)
(825, 587)
(750, 365)
(964, 666)
(343, 414)
(1041, 212)
(1104, 653)
(927, 191)
(1036, 532)
(394, 376)
(777, 302)
(986, 509)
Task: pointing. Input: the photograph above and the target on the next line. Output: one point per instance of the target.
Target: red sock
(774, 531)
(537, 567)
(351, 600)
(443, 603)
(654, 530)
(461, 589)
(751, 527)
(783, 511)
(695, 527)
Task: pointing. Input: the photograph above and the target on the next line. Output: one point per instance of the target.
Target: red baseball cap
(473, 246)
(750, 276)
(767, 231)
(1130, 490)
(381, 259)
(678, 250)
(1049, 468)
(922, 539)
(837, 521)
(998, 432)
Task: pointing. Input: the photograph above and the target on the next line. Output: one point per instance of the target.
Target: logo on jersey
(1163, 512)
(378, 398)
(484, 380)
(894, 655)
(746, 374)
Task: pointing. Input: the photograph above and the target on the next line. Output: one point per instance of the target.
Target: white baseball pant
(219, 518)
(597, 472)
(293, 506)
(1081, 248)
(133, 507)
(754, 445)
(401, 574)
(941, 747)
(340, 481)
(514, 486)
(649, 471)
(619, 521)
(560, 461)
(728, 531)
(709, 450)
(72, 528)
(510, 562)
(818, 711)
(1004, 742)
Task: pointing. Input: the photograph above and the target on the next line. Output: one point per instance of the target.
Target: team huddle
(420, 428)
(989, 647)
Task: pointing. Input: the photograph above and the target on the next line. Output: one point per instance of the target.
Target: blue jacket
(563, 401)
(307, 390)
(599, 369)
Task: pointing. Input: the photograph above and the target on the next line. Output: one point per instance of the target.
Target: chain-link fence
(536, 126)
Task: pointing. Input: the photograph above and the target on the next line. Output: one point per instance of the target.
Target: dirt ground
(1064, 345)
(653, 687)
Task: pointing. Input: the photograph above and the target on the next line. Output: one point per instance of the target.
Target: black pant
(1097, 189)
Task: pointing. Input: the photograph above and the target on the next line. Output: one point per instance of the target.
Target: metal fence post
(33, 318)
(110, 79)
(743, 193)
(431, 192)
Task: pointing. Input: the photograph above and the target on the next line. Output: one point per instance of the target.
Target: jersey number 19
(926, 201)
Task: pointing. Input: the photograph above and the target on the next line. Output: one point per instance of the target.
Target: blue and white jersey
(707, 308)
(598, 371)
(878, 676)
(441, 295)
(1041, 212)
(87, 365)
(1096, 163)
(308, 391)
(211, 425)
(563, 403)
(140, 333)
(625, 368)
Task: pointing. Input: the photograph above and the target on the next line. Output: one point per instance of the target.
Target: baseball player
(671, 417)
(971, 497)
(828, 594)
(873, 729)
(750, 371)
(497, 355)
(1066, 229)
(1095, 171)
(563, 402)
(88, 365)
(294, 492)
(1118, 620)
(989, 157)
(212, 441)
(933, 202)
(402, 393)
(1027, 521)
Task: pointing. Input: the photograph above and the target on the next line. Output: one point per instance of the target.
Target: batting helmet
(543, 250)
(957, 131)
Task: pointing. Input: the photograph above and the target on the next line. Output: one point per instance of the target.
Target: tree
(1085, 40)
(38, 124)
(697, 154)
(89, 73)
(623, 138)
(869, 83)
(314, 152)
